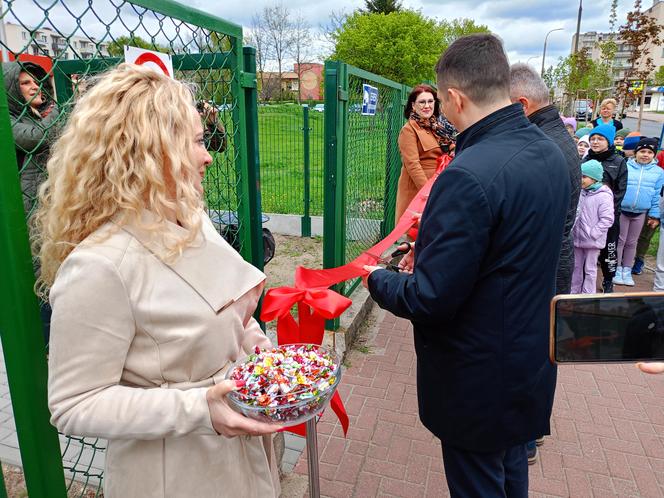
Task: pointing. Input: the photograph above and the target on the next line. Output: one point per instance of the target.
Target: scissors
(389, 262)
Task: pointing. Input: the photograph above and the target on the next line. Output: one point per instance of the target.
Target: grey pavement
(648, 127)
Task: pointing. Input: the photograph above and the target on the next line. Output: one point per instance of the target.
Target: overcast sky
(522, 24)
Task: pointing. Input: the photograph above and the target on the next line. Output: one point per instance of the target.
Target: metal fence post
(252, 179)
(334, 219)
(21, 331)
(306, 218)
(3, 489)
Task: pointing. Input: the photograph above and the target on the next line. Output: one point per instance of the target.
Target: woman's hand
(226, 421)
(209, 113)
(653, 222)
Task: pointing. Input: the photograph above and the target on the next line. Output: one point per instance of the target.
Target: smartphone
(603, 328)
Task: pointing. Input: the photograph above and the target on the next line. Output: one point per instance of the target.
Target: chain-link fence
(291, 152)
(363, 164)
(51, 52)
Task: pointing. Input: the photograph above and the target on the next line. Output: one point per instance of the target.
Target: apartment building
(591, 39)
(47, 42)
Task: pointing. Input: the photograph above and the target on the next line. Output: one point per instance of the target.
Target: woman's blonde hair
(127, 147)
(609, 101)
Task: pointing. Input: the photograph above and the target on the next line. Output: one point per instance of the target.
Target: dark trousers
(500, 474)
(608, 257)
(644, 241)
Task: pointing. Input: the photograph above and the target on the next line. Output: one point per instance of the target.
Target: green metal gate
(291, 150)
(81, 39)
(362, 163)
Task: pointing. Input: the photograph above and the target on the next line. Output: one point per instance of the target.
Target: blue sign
(369, 100)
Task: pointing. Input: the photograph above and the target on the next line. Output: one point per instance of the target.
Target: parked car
(582, 110)
(318, 108)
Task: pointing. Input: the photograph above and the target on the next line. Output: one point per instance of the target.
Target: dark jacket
(616, 124)
(485, 271)
(30, 131)
(615, 175)
(548, 120)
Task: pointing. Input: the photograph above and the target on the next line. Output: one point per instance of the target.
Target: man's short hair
(525, 81)
(477, 66)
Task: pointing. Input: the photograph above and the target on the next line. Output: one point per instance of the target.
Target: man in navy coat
(483, 276)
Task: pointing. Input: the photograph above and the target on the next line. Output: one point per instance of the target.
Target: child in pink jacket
(594, 217)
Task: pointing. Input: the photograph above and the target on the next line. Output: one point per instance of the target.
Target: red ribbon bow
(314, 306)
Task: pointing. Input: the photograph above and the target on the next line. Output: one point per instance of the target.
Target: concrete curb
(351, 321)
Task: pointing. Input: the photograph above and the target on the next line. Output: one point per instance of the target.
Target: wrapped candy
(285, 384)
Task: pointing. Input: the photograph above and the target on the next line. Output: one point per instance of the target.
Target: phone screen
(611, 328)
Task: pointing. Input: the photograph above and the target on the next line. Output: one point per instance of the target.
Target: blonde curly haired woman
(150, 304)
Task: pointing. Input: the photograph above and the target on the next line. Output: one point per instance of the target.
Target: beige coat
(134, 345)
(419, 154)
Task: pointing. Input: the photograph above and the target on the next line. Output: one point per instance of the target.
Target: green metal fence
(291, 151)
(72, 41)
(362, 163)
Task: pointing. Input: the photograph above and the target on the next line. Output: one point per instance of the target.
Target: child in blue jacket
(644, 183)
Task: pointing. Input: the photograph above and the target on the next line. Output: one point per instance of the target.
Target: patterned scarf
(444, 132)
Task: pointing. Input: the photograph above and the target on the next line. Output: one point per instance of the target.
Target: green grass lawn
(281, 153)
(281, 150)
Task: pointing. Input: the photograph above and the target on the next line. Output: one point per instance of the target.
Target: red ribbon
(316, 303)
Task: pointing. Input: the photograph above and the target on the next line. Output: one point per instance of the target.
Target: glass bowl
(309, 401)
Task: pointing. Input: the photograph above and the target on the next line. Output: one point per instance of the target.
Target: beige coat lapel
(234, 278)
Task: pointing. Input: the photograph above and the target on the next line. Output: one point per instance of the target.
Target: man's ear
(525, 103)
(458, 100)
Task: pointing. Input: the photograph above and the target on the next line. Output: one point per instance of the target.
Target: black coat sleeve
(621, 184)
(455, 234)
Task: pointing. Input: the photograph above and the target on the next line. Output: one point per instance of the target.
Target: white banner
(157, 61)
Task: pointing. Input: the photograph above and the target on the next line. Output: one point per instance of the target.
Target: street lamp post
(544, 51)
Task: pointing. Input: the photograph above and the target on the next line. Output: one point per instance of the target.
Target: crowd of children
(619, 208)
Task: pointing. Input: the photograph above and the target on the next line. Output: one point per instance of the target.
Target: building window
(24, 35)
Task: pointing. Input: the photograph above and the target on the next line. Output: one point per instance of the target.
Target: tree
(600, 74)
(456, 28)
(641, 34)
(403, 46)
(382, 6)
(257, 38)
(279, 36)
(659, 76)
(301, 49)
(330, 31)
(116, 47)
(613, 15)
(572, 74)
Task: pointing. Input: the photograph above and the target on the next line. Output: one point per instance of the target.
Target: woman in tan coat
(150, 305)
(422, 140)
